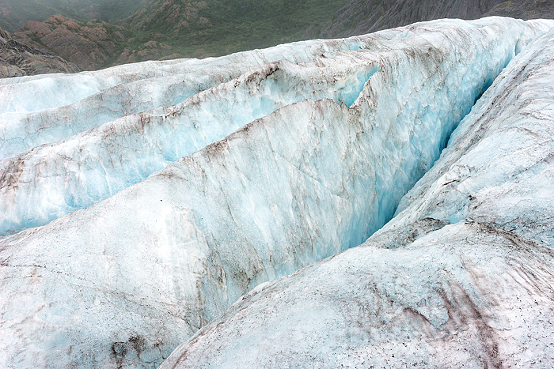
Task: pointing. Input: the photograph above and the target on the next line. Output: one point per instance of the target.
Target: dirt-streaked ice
(463, 276)
(298, 160)
(98, 146)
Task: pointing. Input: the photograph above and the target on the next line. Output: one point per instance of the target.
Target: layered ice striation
(321, 153)
(463, 276)
(99, 156)
(46, 182)
(44, 109)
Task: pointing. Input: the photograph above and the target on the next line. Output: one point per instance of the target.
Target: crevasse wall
(463, 276)
(123, 282)
(90, 164)
(47, 182)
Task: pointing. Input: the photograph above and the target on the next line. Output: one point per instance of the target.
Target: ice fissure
(463, 276)
(186, 207)
(48, 181)
(95, 164)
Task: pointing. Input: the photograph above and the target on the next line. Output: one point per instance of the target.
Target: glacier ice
(36, 110)
(44, 109)
(289, 170)
(90, 163)
(463, 276)
(41, 184)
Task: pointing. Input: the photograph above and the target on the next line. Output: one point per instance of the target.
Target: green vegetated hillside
(15, 13)
(166, 29)
(90, 45)
(216, 27)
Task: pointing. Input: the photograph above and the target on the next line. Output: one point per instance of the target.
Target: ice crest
(157, 216)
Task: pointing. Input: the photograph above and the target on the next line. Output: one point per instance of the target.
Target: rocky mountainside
(18, 59)
(524, 9)
(364, 16)
(171, 29)
(89, 45)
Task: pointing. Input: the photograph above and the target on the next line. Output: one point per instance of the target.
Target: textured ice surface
(423, 293)
(465, 296)
(123, 282)
(44, 109)
(45, 182)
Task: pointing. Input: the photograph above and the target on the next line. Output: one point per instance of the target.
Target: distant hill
(217, 27)
(365, 16)
(527, 9)
(89, 45)
(164, 29)
(15, 13)
(18, 59)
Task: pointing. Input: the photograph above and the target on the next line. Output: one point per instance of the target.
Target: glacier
(152, 217)
(91, 166)
(59, 160)
(463, 276)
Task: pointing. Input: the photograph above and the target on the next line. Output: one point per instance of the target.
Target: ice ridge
(124, 281)
(98, 163)
(95, 163)
(463, 276)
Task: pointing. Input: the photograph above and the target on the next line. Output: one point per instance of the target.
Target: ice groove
(307, 180)
(133, 147)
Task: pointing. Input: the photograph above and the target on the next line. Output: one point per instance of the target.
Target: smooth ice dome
(163, 192)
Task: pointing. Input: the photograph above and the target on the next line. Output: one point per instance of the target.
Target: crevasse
(156, 261)
(422, 292)
(59, 178)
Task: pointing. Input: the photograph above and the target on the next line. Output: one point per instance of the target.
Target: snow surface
(463, 276)
(327, 144)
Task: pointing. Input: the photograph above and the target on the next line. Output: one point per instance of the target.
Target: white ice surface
(49, 181)
(123, 282)
(43, 109)
(423, 293)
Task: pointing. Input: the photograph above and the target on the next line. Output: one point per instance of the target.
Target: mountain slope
(364, 16)
(89, 45)
(172, 29)
(524, 9)
(218, 27)
(18, 59)
(15, 13)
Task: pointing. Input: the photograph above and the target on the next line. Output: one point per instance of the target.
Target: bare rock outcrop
(90, 45)
(18, 59)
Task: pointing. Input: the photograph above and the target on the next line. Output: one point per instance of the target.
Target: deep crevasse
(46, 182)
(304, 182)
(463, 276)
(42, 184)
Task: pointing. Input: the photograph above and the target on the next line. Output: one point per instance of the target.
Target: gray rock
(365, 16)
